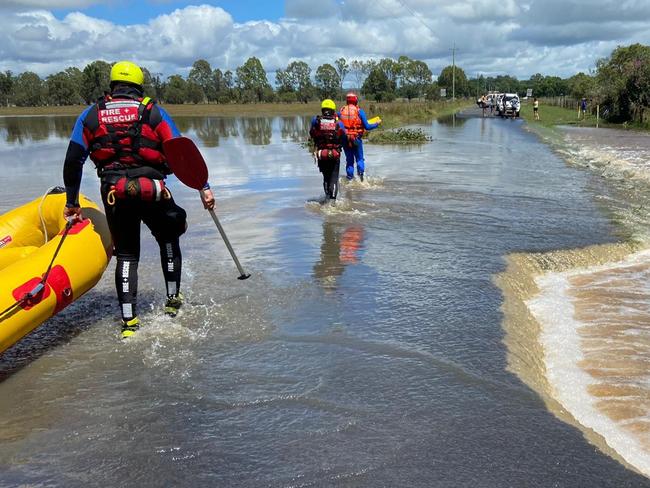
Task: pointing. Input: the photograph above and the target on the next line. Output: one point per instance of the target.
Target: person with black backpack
(123, 134)
(329, 135)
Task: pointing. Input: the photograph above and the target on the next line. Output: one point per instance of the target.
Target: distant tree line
(621, 83)
(381, 80)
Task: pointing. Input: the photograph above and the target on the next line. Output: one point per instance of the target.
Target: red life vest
(327, 136)
(119, 132)
(352, 121)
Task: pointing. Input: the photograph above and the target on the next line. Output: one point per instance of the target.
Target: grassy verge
(550, 116)
(397, 114)
(393, 114)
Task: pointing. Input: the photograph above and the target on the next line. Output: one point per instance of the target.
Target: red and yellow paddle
(187, 163)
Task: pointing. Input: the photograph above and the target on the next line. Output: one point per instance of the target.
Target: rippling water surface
(367, 349)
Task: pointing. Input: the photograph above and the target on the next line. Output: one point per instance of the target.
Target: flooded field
(368, 348)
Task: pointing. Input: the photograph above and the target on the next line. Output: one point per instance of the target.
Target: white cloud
(492, 36)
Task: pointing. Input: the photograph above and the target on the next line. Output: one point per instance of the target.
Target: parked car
(510, 105)
(498, 103)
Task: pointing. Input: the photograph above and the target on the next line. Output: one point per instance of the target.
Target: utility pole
(453, 73)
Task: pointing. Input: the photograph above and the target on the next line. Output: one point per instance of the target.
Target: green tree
(391, 68)
(622, 82)
(252, 81)
(222, 90)
(553, 86)
(378, 86)
(361, 69)
(283, 82)
(201, 74)
(451, 77)
(28, 90)
(328, 81)
(153, 85)
(415, 76)
(6, 87)
(226, 92)
(194, 92)
(504, 84)
(63, 88)
(342, 69)
(176, 89)
(581, 85)
(285, 92)
(432, 91)
(95, 80)
(535, 83)
(299, 74)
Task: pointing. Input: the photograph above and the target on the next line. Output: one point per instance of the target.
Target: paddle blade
(185, 160)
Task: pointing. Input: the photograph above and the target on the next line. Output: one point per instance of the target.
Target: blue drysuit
(354, 149)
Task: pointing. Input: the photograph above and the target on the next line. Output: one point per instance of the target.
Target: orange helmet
(352, 98)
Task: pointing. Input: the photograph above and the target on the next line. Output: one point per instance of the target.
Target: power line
(393, 16)
(417, 16)
(453, 72)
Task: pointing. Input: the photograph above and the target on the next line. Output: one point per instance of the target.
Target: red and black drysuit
(123, 135)
(328, 134)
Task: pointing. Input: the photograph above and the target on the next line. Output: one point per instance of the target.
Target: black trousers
(166, 221)
(330, 170)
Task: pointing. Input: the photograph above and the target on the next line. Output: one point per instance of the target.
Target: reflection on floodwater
(452, 120)
(22, 130)
(211, 131)
(340, 247)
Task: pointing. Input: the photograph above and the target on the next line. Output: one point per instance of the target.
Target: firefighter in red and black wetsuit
(328, 134)
(123, 134)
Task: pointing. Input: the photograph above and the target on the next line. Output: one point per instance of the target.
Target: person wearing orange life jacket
(356, 123)
(123, 134)
(328, 134)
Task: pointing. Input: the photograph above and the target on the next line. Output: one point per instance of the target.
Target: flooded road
(367, 349)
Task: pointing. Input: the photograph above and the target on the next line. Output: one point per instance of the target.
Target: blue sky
(123, 12)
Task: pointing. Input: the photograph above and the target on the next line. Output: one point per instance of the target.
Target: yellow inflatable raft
(29, 237)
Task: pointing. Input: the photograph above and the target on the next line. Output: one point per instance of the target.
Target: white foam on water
(368, 183)
(613, 153)
(554, 310)
(341, 206)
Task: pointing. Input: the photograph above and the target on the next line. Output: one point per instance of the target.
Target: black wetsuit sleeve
(72, 171)
(75, 158)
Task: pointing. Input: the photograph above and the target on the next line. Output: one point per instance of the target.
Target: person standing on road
(123, 134)
(356, 124)
(536, 108)
(328, 134)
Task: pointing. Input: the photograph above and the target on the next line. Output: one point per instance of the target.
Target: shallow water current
(368, 347)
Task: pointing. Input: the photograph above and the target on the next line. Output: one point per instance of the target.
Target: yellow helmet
(328, 104)
(128, 72)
